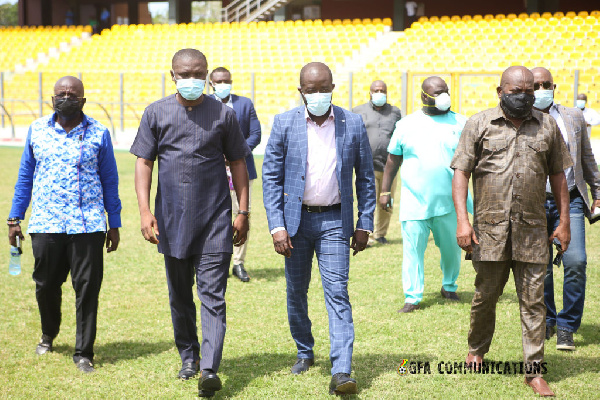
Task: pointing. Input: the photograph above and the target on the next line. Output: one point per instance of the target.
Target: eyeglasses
(546, 85)
(67, 96)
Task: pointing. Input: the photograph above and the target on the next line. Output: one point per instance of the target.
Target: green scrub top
(427, 144)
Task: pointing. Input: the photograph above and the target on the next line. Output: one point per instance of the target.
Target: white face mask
(222, 90)
(580, 104)
(378, 99)
(442, 101)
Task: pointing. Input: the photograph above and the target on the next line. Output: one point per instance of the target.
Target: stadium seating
(17, 44)
(468, 51)
(273, 51)
(480, 48)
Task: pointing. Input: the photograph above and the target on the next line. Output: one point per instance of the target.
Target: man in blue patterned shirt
(69, 173)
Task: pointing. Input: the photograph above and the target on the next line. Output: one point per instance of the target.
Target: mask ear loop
(430, 96)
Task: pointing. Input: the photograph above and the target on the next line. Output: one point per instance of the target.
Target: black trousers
(210, 272)
(57, 254)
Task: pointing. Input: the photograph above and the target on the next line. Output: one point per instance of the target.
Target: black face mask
(67, 108)
(517, 105)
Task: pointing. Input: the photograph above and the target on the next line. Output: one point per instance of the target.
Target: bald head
(315, 70)
(378, 86)
(188, 55)
(541, 74)
(516, 75)
(70, 86)
(430, 84)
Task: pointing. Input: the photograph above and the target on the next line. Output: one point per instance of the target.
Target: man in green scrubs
(424, 143)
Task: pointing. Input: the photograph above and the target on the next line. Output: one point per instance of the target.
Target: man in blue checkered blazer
(309, 161)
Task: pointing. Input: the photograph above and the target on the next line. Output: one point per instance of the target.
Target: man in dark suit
(220, 80)
(311, 155)
(192, 227)
(584, 171)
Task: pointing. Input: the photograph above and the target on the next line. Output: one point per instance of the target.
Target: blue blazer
(250, 126)
(284, 168)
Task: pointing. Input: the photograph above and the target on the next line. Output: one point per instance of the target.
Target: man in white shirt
(591, 116)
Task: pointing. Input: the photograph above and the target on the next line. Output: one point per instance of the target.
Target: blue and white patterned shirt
(70, 178)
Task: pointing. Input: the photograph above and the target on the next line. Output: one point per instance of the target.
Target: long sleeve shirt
(70, 179)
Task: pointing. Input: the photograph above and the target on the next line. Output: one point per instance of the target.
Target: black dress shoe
(85, 365)
(382, 240)
(208, 384)
(408, 308)
(550, 331)
(188, 370)
(45, 345)
(302, 365)
(449, 295)
(342, 384)
(564, 340)
(240, 272)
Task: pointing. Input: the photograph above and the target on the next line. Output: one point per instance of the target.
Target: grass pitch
(136, 355)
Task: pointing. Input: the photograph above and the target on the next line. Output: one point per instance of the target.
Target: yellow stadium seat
(466, 18)
(337, 22)
(387, 21)
(595, 13)
(500, 16)
(346, 21)
(571, 14)
(433, 19)
(444, 18)
(488, 17)
(534, 15)
(511, 16)
(455, 18)
(357, 21)
(547, 15)
(559, 14)
(423, 19)
(477, 17)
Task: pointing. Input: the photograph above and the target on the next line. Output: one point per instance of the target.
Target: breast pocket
(537, 156)
(495, 154)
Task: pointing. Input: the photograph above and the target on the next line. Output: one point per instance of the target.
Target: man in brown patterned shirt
(510, 150)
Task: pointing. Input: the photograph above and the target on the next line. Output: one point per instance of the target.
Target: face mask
(442, 101)
(222, 90)
(67, 108)
(517, 105)
(543, 99)
(580, 104)
(190, 89)
(318, 103)
(378, 99)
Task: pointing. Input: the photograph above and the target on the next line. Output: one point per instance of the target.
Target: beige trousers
(239, 253)
(382, 218)
(489, 284)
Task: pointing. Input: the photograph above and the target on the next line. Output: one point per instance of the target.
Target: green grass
(136, 356)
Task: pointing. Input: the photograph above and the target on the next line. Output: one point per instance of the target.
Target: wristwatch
(243, 212)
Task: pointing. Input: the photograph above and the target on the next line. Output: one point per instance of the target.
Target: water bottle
(14, 265)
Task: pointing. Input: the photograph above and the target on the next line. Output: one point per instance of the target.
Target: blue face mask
(190, 89)
(378, 99)
(580, 104)
(318, 103)
(222, 90)
(543, 98)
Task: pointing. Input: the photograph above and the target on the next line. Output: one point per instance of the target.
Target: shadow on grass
(113, 352)
(242, 371)
(266, 274)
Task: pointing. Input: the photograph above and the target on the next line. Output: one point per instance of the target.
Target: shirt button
(302, 177)
(518, 154)
(299, 198)
(513, 219)
(518, 175)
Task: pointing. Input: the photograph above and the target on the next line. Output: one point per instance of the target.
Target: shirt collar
(52, 121)
(499, 113)
(229, 102)
(330, 117)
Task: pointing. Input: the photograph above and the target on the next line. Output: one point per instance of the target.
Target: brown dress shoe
(409, 308)
(473, 362)
(539, 386)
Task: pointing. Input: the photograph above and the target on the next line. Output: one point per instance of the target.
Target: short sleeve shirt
(509, 168)
(426, 144)
(193, 204)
